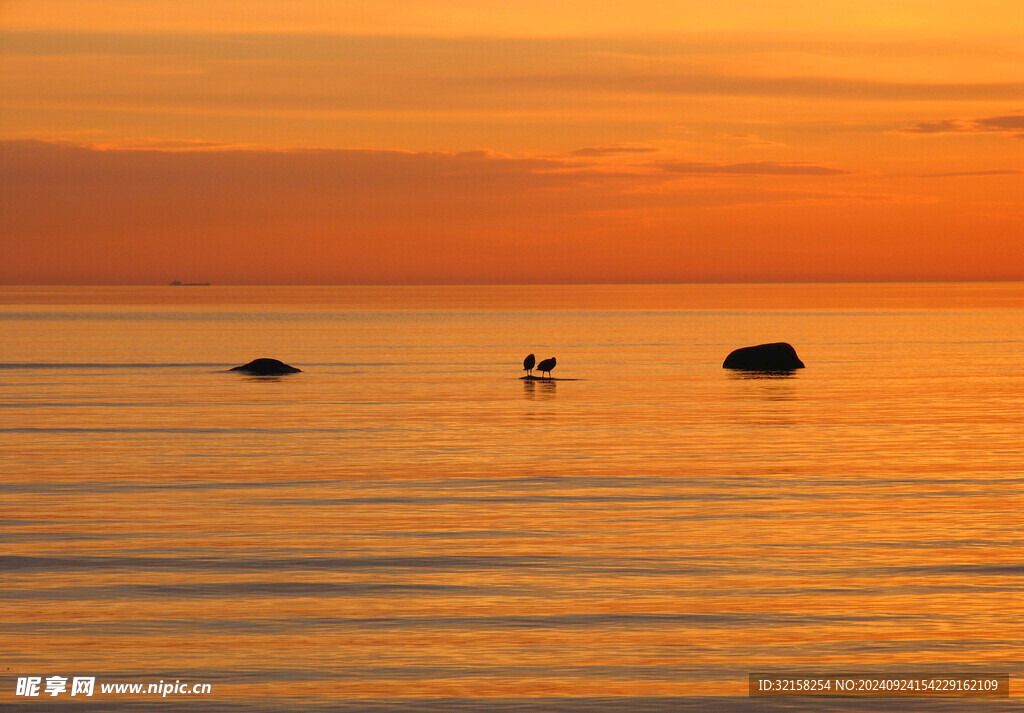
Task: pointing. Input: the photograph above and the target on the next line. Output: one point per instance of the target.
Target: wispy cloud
(992, 172)
(319, 44)
(612, 150)
(755, 168)
(358, 216)
(710, 83)
(749, 140)
(1011, 125)
(288, 74)
(146, 144)
(944, 126)
(1002, 123)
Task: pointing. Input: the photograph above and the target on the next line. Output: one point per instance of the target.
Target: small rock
(266, 367)
(778, 356)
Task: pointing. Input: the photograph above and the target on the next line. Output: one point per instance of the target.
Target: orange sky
(414, 141)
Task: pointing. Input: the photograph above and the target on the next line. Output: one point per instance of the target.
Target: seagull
(546, 366)
(528, 363)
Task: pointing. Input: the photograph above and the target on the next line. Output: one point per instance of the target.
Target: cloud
(128, 215)
(946, 126)
(264, 44)
(1007, 125)
(74, 213)
(1002, 123)
(749, 140)
(295, 75)
(145, 144)
(755, 168)
(612, 150)
(992, 172)
(709, 83)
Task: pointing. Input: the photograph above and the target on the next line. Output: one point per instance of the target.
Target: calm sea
(408, 526)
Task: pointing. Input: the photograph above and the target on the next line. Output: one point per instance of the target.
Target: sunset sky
(469, 141)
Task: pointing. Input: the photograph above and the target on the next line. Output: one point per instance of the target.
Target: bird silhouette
(546, 366)
(528, 363)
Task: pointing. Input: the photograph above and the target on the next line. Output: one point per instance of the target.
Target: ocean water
(407, 525)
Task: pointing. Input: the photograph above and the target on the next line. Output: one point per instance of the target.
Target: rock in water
(779, 356)
(266, 367)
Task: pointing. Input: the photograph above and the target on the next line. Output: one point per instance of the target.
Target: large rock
(779, 356)
(266, 367)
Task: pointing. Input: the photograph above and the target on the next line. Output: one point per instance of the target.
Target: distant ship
(179, 283)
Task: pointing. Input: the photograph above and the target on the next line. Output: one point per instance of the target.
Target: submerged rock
(266, 367)
(778, 356)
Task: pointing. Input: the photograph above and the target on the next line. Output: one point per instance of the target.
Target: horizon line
(518, 284)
